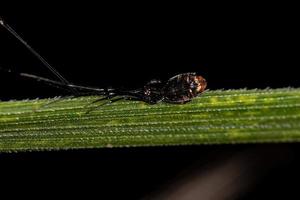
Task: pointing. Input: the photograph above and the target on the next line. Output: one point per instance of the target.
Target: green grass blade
(216, 117)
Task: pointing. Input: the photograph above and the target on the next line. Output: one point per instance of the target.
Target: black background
(112, 46)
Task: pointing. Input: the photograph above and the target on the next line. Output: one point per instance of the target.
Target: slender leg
(56, 100)
(111, 100)
(108, 97)
(62, 98)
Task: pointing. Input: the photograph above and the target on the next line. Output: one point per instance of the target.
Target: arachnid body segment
(183, 87)
(178, 89)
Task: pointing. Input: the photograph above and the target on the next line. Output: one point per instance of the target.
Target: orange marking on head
(201, 83)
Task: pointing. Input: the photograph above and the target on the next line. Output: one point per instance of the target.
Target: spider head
(197, 84)
(201, 83)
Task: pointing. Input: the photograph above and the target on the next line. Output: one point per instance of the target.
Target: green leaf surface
(216, 117)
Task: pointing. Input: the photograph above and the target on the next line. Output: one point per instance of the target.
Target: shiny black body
(178, 89)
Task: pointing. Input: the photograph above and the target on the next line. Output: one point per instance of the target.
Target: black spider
(178, 89)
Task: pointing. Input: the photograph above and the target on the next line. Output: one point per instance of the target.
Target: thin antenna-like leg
(98, 91)
(111, 99)
(35, 53)
(81, 89)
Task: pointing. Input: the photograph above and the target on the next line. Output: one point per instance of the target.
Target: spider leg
(108, 97)
(112, 100)
(58, 99)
